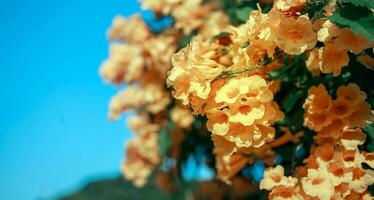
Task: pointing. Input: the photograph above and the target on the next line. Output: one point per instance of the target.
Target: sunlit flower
(238, 87)
(318, 184)
(294, 36)
(327, 31)
(274, 177)
(193, 69)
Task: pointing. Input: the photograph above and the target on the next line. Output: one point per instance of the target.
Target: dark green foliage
(164, 141)
(370, 132)
(359, 19)
(314, 8)
(363, 3)
(237, 11)
(183, 41)
(243, 13)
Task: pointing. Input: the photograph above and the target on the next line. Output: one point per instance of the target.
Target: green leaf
(363, 3)
(370, 147)
(244, 45)
(370, 132)
(291, 100)
(359, 19)
(164, 141)
(183, 42)
(243, 13)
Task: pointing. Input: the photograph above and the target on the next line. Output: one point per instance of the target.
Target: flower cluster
(151, 97)
(333, 56)
(258, 87)
(142, 153)
(225, 78)
(181, 117)
(140, 58)
(328, 116)
(231, 160)
(239, 109)
(188, 15)
(334, 169)
(135, 60)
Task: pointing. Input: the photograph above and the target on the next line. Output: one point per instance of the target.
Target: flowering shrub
(231, 84)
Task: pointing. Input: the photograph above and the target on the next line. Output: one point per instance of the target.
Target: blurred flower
(285, 5)
(182, 117)
(132, 29)
(160, 6)
(142, 153)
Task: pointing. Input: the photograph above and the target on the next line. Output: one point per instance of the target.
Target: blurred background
(55, 135)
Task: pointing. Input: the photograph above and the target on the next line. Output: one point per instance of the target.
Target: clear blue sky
(54, 133)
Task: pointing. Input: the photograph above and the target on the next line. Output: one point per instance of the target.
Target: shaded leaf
(164, 141)
(359, 19)
(291, 100)
(363, 3)
(243, 13)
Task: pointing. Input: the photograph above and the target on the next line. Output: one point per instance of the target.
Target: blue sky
(54, 133)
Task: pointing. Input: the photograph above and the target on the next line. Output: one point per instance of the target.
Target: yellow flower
(132, 29)
(351, 138)
(294, 36)
(142, 153)
(333, 59)
(341, 108)
(361, 116)
(153, 97)
(258, 49)
(351, 93)
(274, 177)
(190, 15)
(218, 123)
(124, 64)
(313, 63)
(318, 184)
(345, 40)
(160, 6)
(182, 117)
(317, 107)
(194, 68)
(247, 115)
(238, 87)
(318, 101)
(157, 52)
(216, 23)
(285, 5)
(327, 31)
